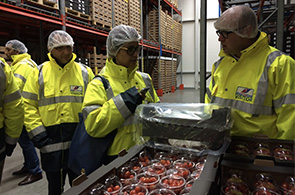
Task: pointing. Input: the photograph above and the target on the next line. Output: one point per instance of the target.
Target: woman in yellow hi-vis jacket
(11, 112)
(255, 79)
(53, 97)
(104, 111)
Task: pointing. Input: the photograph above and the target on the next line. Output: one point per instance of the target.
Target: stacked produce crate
(177, 36)
(134, 14)
(153, 26)
(175, 3)
(169, 32)
(96, 61)
(101, 13)
(167, 74)
(79, 8)
(121, 12)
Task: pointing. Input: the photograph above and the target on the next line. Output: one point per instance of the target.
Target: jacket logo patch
(76, 89)
(244, 94)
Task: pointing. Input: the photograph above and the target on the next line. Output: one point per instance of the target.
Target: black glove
(9, 149)
(131, 98)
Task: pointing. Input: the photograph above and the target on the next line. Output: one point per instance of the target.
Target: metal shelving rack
(43, 21)
(154, 48)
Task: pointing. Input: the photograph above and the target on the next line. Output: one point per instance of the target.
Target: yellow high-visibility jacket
(11, 108)
(53, 98)
(260, 87)
(21, 66)
(105, 111)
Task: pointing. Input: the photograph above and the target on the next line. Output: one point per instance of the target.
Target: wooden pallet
(103, 25)
(51, 4)
(77, 14)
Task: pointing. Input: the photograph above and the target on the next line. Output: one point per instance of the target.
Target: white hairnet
(17, 45)
(235, 19)
(118, 36)
(59, 38)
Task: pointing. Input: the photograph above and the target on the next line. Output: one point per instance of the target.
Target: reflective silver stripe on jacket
(245, 107)
(36, 131)
(257, 108)
(31, 62)
(263, 81)
(55, 147)
(216, 64)
(287, 99)
(10, 140)
(20, 77)
(121, 106)
(2, 82)
(59, 99)
(129, 121)
(13, 96)
(89, 109)
(148, 83)
(31, 96)
(84, 75)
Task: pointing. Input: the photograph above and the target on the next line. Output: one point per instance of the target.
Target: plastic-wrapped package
(193, 126)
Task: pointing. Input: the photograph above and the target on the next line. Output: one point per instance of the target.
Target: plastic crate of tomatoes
(242, 178)
(258, 166)
(149, 171)
(256, 150)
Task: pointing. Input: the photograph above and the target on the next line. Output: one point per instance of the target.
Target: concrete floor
(9, 182)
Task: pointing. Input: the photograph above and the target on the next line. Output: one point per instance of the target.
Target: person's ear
(248, 30)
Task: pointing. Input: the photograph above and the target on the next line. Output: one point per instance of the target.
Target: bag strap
(104, 81)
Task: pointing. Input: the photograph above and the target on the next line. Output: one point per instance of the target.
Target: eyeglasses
(224, 34)
(131, 50)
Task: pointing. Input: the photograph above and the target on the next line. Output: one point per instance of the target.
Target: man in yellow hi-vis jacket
(255, 79)
(11, 113)
(53, 97)
(21, 66)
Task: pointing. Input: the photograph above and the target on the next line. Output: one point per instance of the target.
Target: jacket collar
(19, 57)
(52, 60)
(118, 71)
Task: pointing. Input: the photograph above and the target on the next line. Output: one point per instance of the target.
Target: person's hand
(143, 92)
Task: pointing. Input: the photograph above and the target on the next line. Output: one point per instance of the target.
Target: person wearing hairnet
(21, 66)
(53, 97)
(11, 113)
(105, 111)
(253, 78)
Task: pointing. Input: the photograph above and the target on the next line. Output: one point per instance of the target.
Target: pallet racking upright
(31, 21)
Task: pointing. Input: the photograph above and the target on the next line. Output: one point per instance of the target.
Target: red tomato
(117, 187)
(110, 189)
(127, 174)
(137, 189)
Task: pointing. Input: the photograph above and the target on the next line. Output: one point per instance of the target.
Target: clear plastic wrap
(194, 126)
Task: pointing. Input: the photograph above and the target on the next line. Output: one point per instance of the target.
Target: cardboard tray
(200, 187)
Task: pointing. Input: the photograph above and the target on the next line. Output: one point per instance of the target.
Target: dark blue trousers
(30, 155)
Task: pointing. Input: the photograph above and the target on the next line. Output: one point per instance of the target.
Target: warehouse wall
(188, 71)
